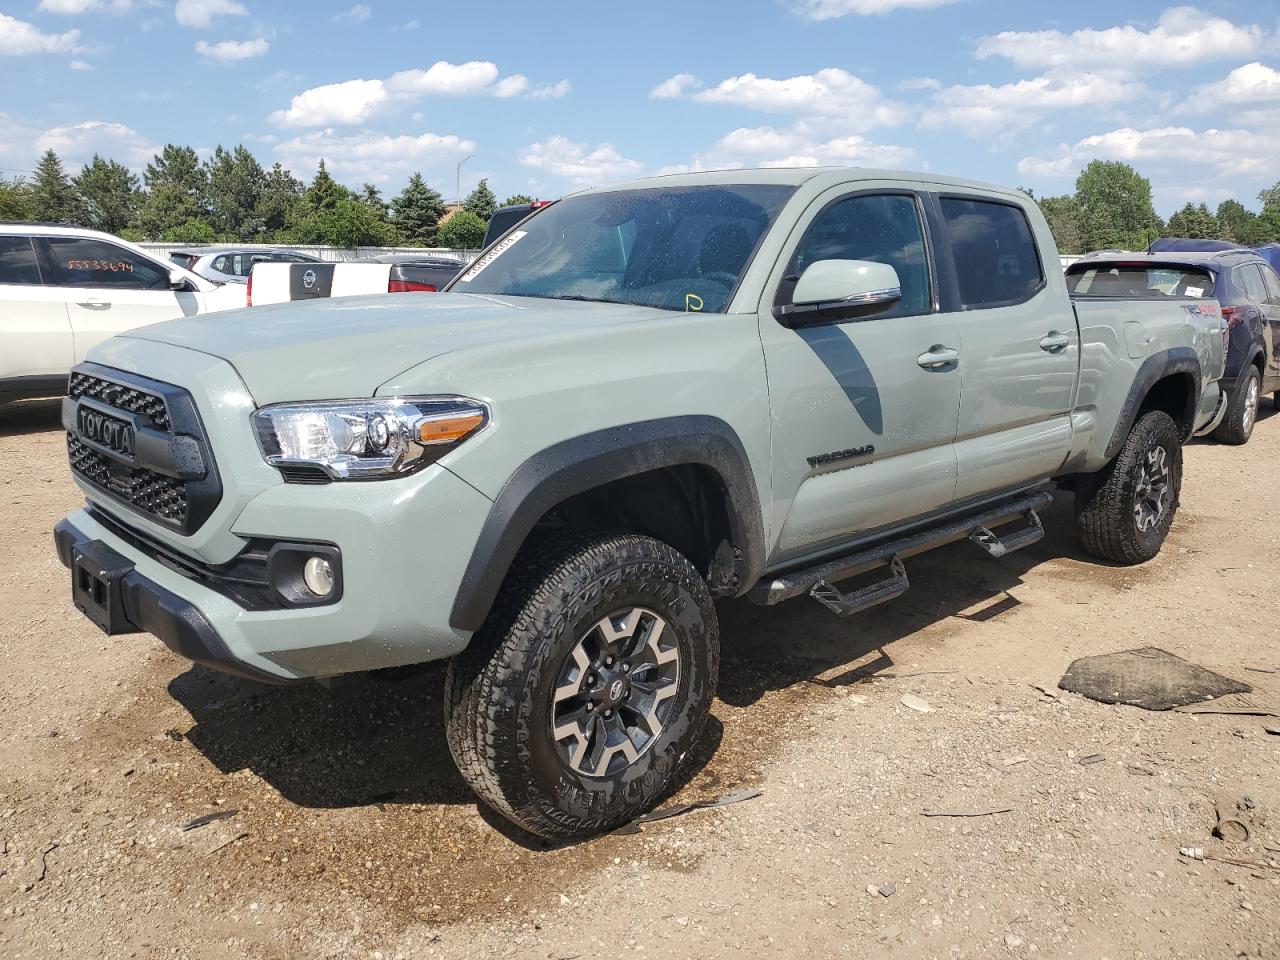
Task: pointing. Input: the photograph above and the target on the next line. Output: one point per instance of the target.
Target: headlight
(365, 439)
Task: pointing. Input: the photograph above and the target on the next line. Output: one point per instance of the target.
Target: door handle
(1055, 341)
(937, 357)
(93, 303)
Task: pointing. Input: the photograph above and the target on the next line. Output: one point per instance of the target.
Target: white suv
(64, 289)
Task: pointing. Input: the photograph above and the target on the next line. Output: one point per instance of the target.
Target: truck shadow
(380, 740)
(30, 416)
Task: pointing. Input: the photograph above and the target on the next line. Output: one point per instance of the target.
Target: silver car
(233, 264)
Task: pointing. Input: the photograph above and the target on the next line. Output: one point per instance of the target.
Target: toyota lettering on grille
(106, 432)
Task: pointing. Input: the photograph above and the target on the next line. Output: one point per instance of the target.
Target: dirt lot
(353, 837)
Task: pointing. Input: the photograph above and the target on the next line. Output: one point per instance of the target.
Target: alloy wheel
(1151, 495)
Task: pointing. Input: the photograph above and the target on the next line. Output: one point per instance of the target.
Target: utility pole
(457, 187)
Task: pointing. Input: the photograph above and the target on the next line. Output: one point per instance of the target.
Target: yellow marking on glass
(692, 302)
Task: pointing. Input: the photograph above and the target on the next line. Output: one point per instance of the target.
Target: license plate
(97, 580)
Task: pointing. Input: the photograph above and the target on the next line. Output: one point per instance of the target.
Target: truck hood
(347, 347)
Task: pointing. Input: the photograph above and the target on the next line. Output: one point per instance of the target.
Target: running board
(847, 604)
(794, 583)
(998, 547)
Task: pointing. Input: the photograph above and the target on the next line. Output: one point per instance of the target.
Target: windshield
(678, 248)
(1140, 281)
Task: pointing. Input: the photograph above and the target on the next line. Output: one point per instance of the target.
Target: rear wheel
(1237, 425)
(573, 707)
(1125, 511)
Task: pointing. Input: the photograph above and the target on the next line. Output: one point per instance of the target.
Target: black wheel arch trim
(582, 463)
(1176, 360)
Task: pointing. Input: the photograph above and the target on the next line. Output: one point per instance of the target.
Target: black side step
(999, 546)
(855, 601)
(793, 583)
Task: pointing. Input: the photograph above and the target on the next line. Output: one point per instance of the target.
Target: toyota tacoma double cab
(639, 400)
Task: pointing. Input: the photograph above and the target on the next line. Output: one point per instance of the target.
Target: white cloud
(803, 144)
(201, 13)
(830, 92)
(229, 51)
(1221, 153)
(578, 162)
(355, 101)
(357, 14)
(551, 91)
(76, 144)
(74, 7)
(674, 87)
(81, 65)
(983, 109)
(1183, 35)
(348, 102)
(1252, 83)
(378, 158)
(17, 37)
(830, 9)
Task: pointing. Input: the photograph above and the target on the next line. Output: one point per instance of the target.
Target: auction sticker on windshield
(499, 248)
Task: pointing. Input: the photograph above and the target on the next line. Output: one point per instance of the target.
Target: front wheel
(1124, 512)
(1242, 414)
(573, 707)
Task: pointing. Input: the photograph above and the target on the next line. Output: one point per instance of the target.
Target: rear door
(1020, 346)
(109, 289)
(35, 334)
(864, 410)
(1271, 311)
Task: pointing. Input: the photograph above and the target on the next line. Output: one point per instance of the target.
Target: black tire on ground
(1237, 426)
(1275, 399)
(1107, 506)
(500, 692)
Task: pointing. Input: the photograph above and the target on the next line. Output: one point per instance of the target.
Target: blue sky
(553, 96)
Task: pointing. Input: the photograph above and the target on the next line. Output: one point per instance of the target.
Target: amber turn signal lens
(450, 428)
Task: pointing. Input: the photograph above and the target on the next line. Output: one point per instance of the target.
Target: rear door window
(1272, 283)
(1139, 281)
(18, 261)
(86, 262)
(1255, 288)
(995, 254)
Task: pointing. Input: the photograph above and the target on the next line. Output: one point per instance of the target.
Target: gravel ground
(351, 836)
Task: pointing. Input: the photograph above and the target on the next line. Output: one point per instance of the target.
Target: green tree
(53, 198)
(1115, 207)
(15, 200)
(109, 195)
(324, 192)
(463, 231)
(371, 196)
(1194, 221)
(195, 230)
(1063, 214)
(348, 223)
(176, 190)
(417, 212)
(481, 201)
(278, 199)
(235, 183)
(1239, 224)
(511, 201)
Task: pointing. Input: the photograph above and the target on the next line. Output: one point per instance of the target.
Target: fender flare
(583, 463)
(1156, 367)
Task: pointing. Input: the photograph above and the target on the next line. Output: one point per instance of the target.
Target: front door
(1270, 307)
(34, 329)
(109, 289)
(864, 410)
(1020, 346)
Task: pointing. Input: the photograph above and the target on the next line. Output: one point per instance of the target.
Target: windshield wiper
(582, 299)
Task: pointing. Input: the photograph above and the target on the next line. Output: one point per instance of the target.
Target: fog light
(317, 574)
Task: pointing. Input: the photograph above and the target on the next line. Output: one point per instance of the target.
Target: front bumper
(150, 608)
(401, 569)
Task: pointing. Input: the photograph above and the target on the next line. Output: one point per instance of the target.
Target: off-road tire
(1105, 502)
(500, 690)
(1237, 426)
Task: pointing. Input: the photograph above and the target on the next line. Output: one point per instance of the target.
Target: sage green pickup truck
(639, 400)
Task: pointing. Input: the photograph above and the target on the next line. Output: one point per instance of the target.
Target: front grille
(162, 487)
(122, 398)
(145, 490)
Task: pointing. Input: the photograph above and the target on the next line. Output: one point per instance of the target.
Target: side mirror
(840, 289)
(177, 280)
